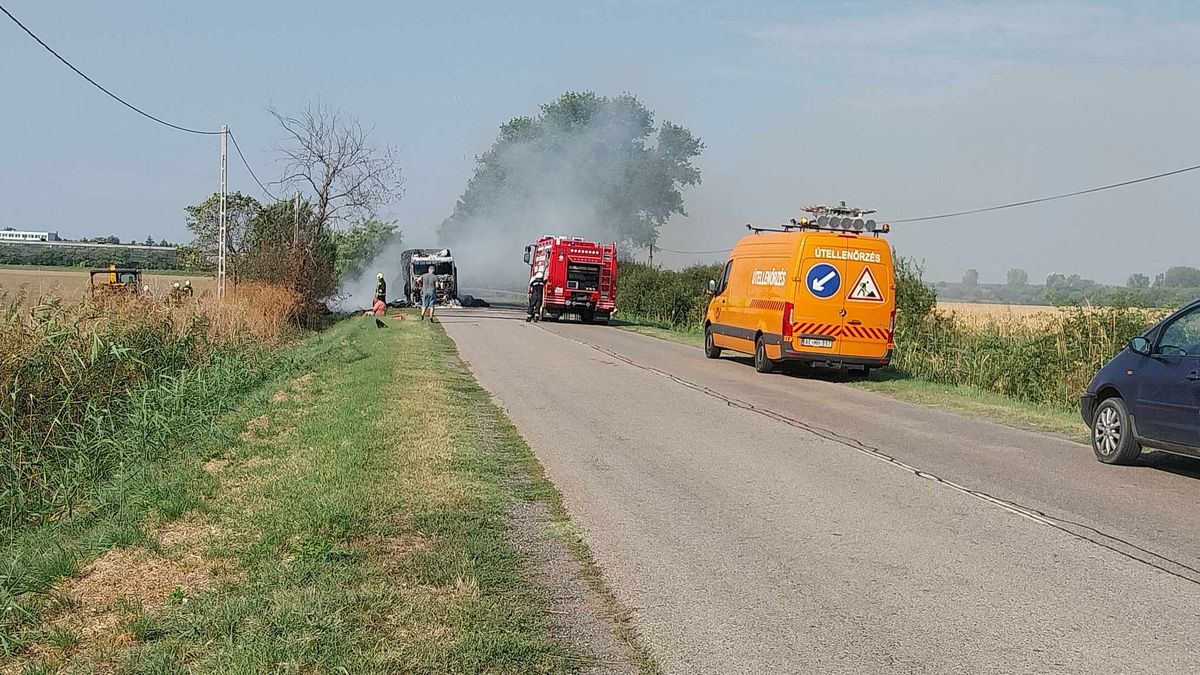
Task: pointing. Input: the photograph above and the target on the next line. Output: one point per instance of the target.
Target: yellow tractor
(115, 281)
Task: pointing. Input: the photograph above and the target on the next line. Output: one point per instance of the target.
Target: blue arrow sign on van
(823, 280)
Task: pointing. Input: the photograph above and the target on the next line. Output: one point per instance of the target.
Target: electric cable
(670, 250)
(1047, 199)
(101, 87)
(247, 165)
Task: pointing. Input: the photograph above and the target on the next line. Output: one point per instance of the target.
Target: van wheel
(711, 350)
(1112, 435)
(761, 363)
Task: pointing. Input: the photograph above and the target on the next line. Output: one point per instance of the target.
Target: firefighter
(380, 288)
(535, 296)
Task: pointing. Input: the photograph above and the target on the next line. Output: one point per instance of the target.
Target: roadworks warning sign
(865, 289)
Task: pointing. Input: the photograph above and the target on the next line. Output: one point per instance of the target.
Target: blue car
(1149, 394)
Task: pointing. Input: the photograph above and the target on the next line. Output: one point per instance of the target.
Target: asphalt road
(774, 524)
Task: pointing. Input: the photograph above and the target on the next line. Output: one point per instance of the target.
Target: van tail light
(787, 321)
(892, 326)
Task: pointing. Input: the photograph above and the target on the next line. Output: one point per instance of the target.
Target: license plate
(816, 342)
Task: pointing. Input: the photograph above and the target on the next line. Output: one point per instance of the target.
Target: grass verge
(353, 520)
(959, 398)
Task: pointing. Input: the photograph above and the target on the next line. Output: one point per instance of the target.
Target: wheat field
(71, 285)
(977, 315)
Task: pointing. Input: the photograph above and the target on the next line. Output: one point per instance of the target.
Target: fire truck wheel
(711, 350)
(761, 363)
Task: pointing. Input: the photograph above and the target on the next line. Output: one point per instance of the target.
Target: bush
(664, 298)
(1048, 361)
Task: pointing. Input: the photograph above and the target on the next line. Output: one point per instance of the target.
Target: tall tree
(203, 220)
(329, 156)
(360, 243)
(345, 177)
(1138, 281)
(1181, 277)
(1017, 277)
(971, 277)
(596, 165)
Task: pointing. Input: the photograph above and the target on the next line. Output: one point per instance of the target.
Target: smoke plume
(586, 166)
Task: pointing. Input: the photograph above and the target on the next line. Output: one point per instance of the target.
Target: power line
(999, 207)
(101, 87)
(1047, 199)
(133, 107)
(669, 250)
(247, 165)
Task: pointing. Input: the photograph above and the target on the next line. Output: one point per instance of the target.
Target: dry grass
(262, 310)
(101, 608)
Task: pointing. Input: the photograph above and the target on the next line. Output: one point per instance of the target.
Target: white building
(9, 234)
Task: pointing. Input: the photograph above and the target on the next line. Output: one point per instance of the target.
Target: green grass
(959, 398)
(660, 331)
(979, 403)
(357, 525)
(161, 480)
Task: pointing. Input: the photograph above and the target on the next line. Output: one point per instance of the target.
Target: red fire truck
(578, 277)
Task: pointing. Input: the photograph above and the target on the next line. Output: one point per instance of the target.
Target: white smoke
(357, 291)
(560, 192)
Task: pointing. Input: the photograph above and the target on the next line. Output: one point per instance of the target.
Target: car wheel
(1112, 435)
(711, 350)
(761, 363)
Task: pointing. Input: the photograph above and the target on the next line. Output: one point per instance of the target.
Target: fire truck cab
(576, 277)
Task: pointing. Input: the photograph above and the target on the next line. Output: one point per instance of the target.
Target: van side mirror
(526, 255)
(712, 287)
(1139, 345)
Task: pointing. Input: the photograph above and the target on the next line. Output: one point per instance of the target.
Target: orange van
(818, 294)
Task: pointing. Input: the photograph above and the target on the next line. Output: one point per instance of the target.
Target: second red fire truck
(572, 276)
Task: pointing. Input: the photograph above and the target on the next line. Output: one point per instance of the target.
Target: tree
(971, 277)
(1138, 281)
(328, 155)
(1181, 277)
(360, 243)
(1017, 277)
(149, 241)
(203, 220)
(596, 163)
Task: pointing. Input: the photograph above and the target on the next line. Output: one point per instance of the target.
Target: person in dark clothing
(536, 284)
(381, 288)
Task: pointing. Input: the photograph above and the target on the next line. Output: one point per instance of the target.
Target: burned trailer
(416, 261)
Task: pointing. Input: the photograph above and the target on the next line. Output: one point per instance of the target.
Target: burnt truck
(416, 261)
(575, 277)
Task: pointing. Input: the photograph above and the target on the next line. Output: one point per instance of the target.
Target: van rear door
(867, 297)
(816, 314)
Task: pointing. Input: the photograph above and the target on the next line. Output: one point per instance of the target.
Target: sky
(911, 108)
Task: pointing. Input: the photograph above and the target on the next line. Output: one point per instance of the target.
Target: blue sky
(910, 107)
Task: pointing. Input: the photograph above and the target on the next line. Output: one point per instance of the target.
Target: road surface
(773, 524)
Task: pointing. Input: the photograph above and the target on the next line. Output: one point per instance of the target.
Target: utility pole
(652, 254)
(295, 221)
(223, 237)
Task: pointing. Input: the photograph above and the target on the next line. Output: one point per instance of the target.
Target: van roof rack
(840, 218)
